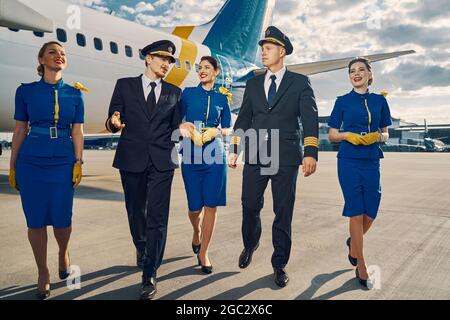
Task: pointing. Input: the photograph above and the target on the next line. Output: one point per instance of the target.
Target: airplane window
(61, 35)
(15, 30)
(177, 63)
(38, 34)
(128, 51)
(140, 55)
(98, 44)
(188, 65)
(114, 47)
(81, 40)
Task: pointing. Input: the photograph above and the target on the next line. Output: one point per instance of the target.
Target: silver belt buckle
(53, 132)
(363, 133)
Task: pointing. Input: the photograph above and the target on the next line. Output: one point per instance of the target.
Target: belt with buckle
(52, 132)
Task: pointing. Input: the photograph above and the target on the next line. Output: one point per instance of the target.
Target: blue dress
(204, 168)
(359, 166)
(44, 164)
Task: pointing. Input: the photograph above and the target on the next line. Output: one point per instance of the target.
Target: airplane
(106, 48)
(427, 144)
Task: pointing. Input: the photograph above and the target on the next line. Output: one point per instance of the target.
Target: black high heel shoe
(42, 295)
(363, 282)
(196, 248)
(353, 261)
(205, 269)
(64, 274)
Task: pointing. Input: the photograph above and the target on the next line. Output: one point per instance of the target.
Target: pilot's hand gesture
(116, 122)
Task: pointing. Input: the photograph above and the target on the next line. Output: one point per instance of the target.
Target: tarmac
(408, 246)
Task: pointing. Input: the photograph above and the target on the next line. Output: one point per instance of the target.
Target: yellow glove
(370, 138)
(354, 138)
(12, 179)
(77, 174)
(209, 134)
(197, 138)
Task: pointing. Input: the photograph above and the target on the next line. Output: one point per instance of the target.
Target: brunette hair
(366, 63)
(213, 61)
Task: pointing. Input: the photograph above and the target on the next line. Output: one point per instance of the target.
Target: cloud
(160, 3)
(98, 5)
(328, 29)
(144, 7)
(127, 9)
(429, 37)
(412, 76)
(432, 9)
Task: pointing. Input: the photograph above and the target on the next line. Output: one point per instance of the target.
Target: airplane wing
(336, 64)
(16, 15)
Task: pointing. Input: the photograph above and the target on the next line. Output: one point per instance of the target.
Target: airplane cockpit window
(98, 44)
(38, 34)
(61, 35)
(177, 63)
(81, 40)
(188, 65)
(14, 30)
(140, 55)
(128, 51)
(114, 47)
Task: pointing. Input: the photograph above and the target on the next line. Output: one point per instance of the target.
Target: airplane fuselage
(110, 51)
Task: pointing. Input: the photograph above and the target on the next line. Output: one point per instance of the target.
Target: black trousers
(283, 192)
(147, 199)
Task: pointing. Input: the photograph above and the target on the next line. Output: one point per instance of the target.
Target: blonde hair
(40, 68)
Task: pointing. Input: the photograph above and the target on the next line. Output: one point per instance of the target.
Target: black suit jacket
(145, 136)
(294, 102)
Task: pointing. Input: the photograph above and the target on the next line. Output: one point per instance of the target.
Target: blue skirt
(206, 185)
(46, 190)
(360, 183)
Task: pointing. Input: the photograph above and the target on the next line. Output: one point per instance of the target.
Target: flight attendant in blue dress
(46, 158)
(364, 118)
(208, 118)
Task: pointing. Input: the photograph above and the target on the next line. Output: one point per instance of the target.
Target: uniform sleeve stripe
(311, 142)
(235, 140)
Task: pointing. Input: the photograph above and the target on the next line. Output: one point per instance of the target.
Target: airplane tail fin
(235, 30)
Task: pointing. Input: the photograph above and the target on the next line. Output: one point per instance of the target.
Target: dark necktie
(151, 98)
(272, 91)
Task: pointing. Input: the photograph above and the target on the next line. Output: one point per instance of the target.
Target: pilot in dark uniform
(146, 109)
(274, 102)
(362, 116)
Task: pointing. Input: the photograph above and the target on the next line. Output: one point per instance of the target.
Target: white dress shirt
(147, 87)
(268, 81)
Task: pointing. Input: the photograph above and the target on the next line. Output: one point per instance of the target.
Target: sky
(418, 85)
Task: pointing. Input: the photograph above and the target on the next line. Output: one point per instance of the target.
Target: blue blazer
(145, 136)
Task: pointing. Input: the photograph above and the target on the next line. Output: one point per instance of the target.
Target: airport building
(403, 136)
